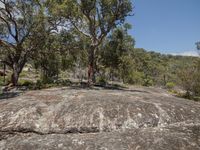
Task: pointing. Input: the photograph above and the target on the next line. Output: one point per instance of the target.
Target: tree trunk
(165, 82)
(91, 60)
(4, 71)
(15, 77)
(17, 69)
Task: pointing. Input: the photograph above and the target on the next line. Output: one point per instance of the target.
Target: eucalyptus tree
(197, 74)
(25, 28)
(19, 20)
(93, 19)
(117, 50)
(198, 45)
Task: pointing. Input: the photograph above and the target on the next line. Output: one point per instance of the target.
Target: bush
(196, 89)
(148, 82)
(170, 85)
(25, 83)
(196, 85)
(63, 82)
(172, 91)
(39, 85)
(46, 79)
(23, 74)
(135, 78)
(101, 80)
(2, 83)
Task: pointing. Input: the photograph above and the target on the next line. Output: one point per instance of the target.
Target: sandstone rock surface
(80, 119)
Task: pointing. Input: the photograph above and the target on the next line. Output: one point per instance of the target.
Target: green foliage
(148, 81)
(70, 35)
(101, 81)
(174, 92)
(7, 80)
(92, 19)
(196, 98)
(40, 84)
(196, 78)
(170, 85)
(190, 81)
(67, 62)
(47, 79)
(186, 78)
(198, 45)
(196, 88)
(62, 82)
(23, 74)
(98, 16)
(20, 36)
(27, 83)
(135, 78)
(1, 80)
(116, 54)
(126, 68)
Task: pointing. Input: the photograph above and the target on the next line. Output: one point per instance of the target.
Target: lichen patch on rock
(65, 118)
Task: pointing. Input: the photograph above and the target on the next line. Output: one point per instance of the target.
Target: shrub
(101, 80)
(196, 98)
(23, 74)
(196, 89)
(63, 82)
(46, 79)
(148, 82)
(172, 91)
(135, 78)
(170, 85)
(2, 83)
(26, 83)
(39, 85)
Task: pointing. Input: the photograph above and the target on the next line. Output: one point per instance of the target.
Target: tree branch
(83, 33)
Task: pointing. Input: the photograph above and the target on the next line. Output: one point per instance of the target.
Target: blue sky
(166, 26)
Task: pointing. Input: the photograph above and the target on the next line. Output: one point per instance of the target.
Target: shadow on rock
(8, 95)
(120, 88)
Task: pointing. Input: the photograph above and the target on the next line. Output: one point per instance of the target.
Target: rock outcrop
(67, 118)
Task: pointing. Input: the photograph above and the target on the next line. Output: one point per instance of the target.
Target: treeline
(35, 29)
(87, 40)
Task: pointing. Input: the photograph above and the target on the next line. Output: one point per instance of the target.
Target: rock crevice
(97, 119)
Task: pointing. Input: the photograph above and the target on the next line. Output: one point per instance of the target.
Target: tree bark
(4, 71)
(91, 66)
(15, 78)
(17, 69)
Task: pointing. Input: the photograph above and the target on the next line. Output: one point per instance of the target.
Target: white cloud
(187, 53)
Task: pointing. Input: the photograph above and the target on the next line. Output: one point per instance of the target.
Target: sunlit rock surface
(76, 119)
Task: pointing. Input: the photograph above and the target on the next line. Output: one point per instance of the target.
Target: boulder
(120, 119)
